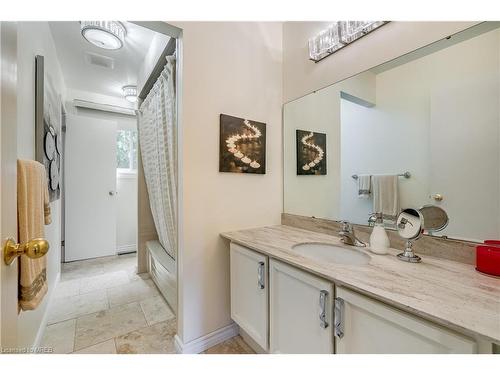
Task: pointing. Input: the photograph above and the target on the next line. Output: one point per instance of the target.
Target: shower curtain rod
(160, 64)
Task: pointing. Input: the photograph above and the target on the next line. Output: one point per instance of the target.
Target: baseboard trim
(126, 249)
(45, 318)
(205, 342)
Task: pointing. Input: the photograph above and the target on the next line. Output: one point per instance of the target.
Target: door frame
(142, 261)
(8, 181)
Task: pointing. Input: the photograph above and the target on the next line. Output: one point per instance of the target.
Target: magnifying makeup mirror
(435, 218)
(412, 223)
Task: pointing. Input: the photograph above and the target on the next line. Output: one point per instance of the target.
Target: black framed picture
(48, 142)
(242, 145)
(311, 153)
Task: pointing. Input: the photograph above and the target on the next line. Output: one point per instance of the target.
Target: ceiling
(79, 74)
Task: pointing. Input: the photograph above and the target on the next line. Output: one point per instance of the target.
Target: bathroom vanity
(287, 300)
(415, 144)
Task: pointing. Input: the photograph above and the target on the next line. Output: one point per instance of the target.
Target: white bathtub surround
(163, 271)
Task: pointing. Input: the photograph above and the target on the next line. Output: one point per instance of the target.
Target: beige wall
(302, 76)
(232, 68)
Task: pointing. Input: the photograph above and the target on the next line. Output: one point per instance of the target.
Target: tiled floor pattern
(101, 306)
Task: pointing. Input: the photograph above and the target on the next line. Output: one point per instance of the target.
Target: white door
(249, 293)
(90, 177)
(371, 327)
(8, 180)
(300, 311)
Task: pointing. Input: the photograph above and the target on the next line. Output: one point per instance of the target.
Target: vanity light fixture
(339, 35)
(130, 93)
(104, 34)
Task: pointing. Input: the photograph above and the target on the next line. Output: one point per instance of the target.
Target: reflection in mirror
(410, 224)
(433, 113)
(435, 218)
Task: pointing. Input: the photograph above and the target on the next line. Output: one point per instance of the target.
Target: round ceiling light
(104, 34)
(130, 93)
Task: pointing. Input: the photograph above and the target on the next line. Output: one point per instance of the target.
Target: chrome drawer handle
(322, 305)
(339, 318)
(260, 275)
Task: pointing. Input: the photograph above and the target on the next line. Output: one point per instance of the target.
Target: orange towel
(33, 212)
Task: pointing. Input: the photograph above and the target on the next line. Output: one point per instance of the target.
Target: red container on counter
(488, 257)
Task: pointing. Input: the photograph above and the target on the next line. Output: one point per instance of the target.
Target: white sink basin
(332, 254)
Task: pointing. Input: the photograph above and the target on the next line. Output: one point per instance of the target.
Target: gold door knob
(437, 197)
(33, 249)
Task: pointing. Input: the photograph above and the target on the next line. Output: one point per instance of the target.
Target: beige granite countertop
(449, 293)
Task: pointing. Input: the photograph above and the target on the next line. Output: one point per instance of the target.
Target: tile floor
(101, 306)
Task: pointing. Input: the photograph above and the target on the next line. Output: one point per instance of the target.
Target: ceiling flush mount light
(339, 35)
(130, 93)
(104, 34)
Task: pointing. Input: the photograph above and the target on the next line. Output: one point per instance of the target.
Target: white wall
(34, 38)
(392, 137)
(126, 185)
(232, 68)
(311, 195)
(156, 48)
(126, 213)
(437, 118)
(302, 76)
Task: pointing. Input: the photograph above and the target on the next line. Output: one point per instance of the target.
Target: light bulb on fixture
(104, 34)
(130, 93)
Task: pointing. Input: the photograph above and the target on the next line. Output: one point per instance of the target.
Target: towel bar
(405, 175)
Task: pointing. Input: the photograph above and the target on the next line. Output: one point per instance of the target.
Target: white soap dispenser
(379, 241)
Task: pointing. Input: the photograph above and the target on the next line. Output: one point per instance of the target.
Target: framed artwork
(48, 142)
(242, 145)
(311, 153)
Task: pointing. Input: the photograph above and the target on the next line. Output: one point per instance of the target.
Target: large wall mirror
(434, 113)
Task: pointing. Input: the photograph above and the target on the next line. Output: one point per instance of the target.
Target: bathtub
(163, 271)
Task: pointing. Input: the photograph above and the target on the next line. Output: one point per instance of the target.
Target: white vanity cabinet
(300, 314)
(287, 310)
(249, 293)
(368, 326)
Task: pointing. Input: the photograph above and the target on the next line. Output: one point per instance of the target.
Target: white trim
(205, 342)
(126, 174)
(126, 248)
(103, 107)
(45, 318)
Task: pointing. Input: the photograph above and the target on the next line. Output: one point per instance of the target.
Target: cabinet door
(300, 311)
(370, 326)
(249, 293)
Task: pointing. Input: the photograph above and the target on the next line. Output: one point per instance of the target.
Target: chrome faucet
(347, 235)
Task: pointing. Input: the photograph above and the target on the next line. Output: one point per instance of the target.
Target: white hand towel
(364, 186)
(386, 196)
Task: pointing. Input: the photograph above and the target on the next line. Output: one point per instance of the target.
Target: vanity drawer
(372, 327)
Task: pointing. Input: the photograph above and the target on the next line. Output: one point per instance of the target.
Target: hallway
(101, 306)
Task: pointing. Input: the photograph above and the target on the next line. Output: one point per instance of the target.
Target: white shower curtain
(158, 144)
